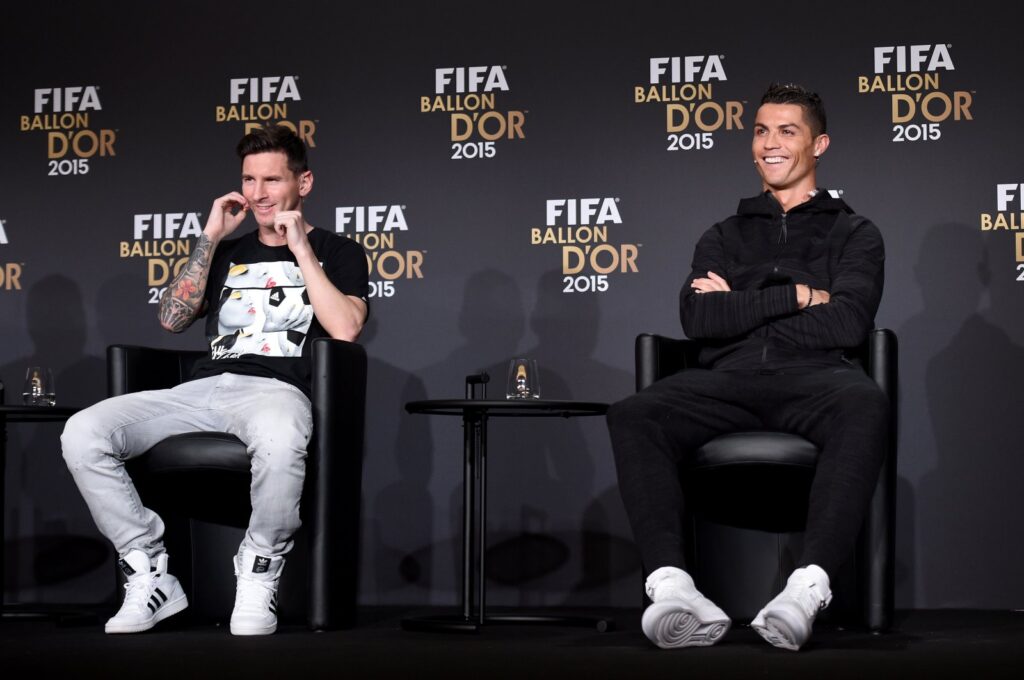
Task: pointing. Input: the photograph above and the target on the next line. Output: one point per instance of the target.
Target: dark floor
(922, 644)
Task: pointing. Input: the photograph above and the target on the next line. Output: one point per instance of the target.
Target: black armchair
(205, 476)
(733, 523)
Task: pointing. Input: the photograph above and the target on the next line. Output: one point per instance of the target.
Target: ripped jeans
(272, 418)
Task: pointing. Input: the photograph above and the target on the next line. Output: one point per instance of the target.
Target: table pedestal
(475, 413)
(25, 414)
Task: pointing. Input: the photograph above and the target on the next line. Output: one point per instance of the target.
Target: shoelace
(809, 597)
(651, 587)
(248, 595)
(138, 591)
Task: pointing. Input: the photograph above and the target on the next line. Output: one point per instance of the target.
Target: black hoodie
(763, 252)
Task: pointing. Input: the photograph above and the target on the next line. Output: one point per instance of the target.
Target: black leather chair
(202, 479)
(738, 529)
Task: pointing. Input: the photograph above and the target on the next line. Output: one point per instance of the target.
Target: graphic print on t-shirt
(264, 310)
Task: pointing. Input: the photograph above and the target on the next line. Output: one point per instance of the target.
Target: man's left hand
(291, 225)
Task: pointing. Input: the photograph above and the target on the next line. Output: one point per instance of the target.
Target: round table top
(19, 413)
(564, 408)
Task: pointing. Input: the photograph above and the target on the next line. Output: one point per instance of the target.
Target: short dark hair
(790, 93)
(275, 138)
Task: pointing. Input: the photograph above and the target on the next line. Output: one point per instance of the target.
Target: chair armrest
(339, 407)
(658, 356)
(131, 368)
(877, 549)
(882, 360)
(339, 395)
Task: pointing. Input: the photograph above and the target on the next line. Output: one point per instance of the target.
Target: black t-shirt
(260, 321)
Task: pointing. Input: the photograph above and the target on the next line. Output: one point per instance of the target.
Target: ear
(821, 143)
(305, 183)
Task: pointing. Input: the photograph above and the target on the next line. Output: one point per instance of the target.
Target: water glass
(39, 389)
(523, 380)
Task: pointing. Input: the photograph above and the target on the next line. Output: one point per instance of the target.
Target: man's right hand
(184, 298)
(227, 213)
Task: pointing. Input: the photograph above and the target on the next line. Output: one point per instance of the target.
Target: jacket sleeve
(856, 290)
(728, 314)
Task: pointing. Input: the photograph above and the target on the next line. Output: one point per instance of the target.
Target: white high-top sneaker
(679, 616)
(255, 611)
(151, 594)
(786, 621)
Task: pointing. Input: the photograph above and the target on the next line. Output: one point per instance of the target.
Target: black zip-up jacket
(763, 252)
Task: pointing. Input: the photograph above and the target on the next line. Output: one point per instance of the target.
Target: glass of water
(39, 389)
(523, 380)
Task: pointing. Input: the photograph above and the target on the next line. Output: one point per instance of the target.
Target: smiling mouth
(774, 160)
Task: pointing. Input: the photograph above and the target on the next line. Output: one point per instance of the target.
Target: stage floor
(923, 644)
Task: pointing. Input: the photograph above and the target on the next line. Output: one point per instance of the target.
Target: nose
(771, 140)
(258, 188)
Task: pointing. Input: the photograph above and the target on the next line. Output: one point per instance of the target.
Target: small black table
(10, 413)
(475, 413)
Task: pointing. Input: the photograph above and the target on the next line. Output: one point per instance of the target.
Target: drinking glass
(523, 380)
(39, 388)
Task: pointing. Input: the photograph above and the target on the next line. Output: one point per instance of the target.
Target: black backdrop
(136, 140)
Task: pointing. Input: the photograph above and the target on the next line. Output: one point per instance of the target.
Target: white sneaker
(786, 621)
(679, 616)
(151, 594)
(255, 611)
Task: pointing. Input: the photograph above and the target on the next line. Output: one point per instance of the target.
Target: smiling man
(266, 295)
(775, 295)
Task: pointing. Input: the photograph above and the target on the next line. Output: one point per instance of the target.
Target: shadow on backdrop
(402, 512)
(562, 550)
(45, 516)
(969, 389)
(491, 322)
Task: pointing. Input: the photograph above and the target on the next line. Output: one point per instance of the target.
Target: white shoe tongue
(258, 566)
(138, 561)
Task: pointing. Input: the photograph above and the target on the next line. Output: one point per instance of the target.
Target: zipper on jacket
(783, 232)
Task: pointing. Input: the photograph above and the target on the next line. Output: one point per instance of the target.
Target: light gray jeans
(272, 418)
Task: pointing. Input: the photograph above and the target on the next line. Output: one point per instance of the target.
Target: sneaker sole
(169, 609)
(241, 630)
(670, 625)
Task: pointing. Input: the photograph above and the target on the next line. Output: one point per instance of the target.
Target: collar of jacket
(765, 204)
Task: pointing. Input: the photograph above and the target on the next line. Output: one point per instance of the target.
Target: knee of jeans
(634, 408)
(868, 404)
(284, 436)
(270, 458)
(79, 438)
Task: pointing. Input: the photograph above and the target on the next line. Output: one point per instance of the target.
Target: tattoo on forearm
(175, 315)
(183, 299)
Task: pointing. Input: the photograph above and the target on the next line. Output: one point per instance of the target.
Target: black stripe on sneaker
(160, 593)
(152, 608)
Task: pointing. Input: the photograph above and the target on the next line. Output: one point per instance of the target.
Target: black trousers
(840, 410)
